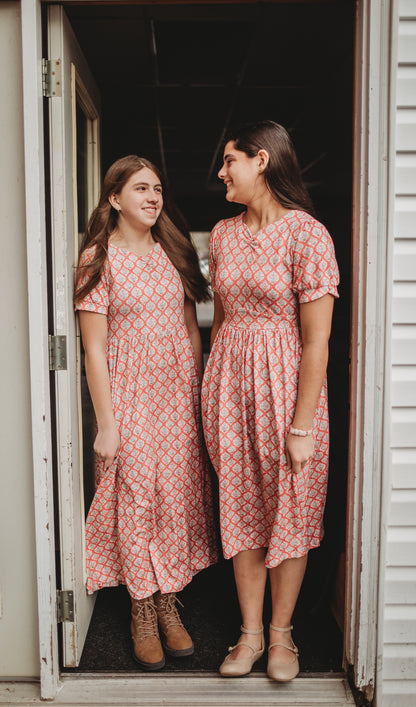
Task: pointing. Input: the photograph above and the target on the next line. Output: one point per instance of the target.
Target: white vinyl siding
(399, 630)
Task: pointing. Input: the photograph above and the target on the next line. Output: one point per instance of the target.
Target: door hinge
(51, 78)
(57, 353)
(64, 605)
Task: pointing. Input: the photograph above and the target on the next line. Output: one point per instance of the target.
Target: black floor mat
(212, 617)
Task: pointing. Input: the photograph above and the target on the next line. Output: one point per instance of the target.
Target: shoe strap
(294, 649)
(282, 630)
(244, 643)
(243, 629)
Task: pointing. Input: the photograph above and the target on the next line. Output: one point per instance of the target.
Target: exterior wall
(19, 654)
(399, 629)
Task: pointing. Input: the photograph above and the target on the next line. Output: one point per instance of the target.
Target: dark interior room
(173, 79)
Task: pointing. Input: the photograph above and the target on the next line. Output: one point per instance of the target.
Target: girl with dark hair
(150, 523)
(264, 400)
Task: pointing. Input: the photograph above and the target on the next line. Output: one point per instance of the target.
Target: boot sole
(150, 666)
(179, 653)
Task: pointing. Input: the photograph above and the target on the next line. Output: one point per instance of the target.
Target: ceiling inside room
(174, 77)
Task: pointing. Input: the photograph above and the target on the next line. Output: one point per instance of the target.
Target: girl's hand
(107, 445)
(298, 452)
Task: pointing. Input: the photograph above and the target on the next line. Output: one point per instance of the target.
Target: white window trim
(386, 467)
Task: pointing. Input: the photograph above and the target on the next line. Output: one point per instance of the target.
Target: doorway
(172, 78)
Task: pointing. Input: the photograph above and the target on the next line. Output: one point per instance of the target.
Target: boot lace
(167, 607)
(146, 617)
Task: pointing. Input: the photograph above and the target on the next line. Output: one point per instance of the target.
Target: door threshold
(185, 690)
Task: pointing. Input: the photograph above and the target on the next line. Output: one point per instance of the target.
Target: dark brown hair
(174, 239)
(282, 174)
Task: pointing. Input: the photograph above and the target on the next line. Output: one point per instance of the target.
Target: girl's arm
(219, 317)
(315, 321)
(94, 338)
(193, 331)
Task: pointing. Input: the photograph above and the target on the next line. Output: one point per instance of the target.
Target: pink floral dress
(250, 383)
(150, 524)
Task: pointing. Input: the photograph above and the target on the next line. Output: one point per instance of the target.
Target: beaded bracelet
(300, 433)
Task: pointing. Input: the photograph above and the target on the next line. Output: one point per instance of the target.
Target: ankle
(281, 628)
(252, 629)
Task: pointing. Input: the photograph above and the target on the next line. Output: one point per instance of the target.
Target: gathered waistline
(257, 324)
(145, 333)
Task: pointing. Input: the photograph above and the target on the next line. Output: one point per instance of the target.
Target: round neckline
(126, 251)
(272, 223)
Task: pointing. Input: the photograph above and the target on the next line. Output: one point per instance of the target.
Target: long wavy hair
(169, 230)
(282, 175)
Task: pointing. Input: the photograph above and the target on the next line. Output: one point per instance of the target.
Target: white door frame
(38, 343)
(370, 335)
(368, 339)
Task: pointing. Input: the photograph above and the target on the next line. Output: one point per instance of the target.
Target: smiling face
(241, 175)
(140, 201)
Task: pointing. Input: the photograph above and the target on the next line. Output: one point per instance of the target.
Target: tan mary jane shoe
(282, 672)
(235, 667)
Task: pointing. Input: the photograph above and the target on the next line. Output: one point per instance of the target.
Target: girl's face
(241, 175)
(140, 201)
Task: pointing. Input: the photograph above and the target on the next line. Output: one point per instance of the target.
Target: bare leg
(285, 582)
(250, 575)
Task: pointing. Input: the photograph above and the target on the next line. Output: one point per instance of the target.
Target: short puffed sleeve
(212, 257)
(315, 269)
(97, 298)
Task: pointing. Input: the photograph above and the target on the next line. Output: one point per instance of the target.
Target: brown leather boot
(176, 640)
(147, 648)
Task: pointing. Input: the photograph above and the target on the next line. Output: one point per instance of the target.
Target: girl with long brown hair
(264, 402)
(150, 523)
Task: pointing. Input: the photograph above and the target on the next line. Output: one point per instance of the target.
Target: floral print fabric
(250, 383)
